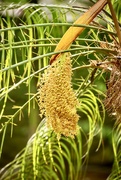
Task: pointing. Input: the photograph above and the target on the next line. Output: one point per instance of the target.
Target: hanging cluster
(113, 95)
(57, 99)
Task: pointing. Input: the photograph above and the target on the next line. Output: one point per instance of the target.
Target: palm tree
(29, 60)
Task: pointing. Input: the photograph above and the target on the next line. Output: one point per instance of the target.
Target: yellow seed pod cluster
(57, 99)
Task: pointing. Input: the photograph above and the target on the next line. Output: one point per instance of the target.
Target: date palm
(27, 48)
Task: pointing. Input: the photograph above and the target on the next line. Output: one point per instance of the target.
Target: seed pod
(113, 94)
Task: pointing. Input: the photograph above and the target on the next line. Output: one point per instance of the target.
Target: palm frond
(46, 157)
(116, 141)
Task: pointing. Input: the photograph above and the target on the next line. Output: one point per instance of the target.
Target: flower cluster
(113, 95)
(57, 99)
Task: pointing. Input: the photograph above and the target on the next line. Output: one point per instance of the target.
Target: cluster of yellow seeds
(57, 99)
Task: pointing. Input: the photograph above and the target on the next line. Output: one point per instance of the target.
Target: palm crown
(27, 44)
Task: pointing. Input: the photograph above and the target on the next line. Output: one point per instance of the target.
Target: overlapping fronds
(116, 141)
(44, 157)
(27, 43)
(92, 107)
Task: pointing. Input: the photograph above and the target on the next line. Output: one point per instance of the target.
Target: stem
(115, 21)
(102, 65)
(73, 32)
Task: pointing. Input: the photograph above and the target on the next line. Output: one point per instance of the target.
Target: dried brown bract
(57, 99)
(113, 95)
